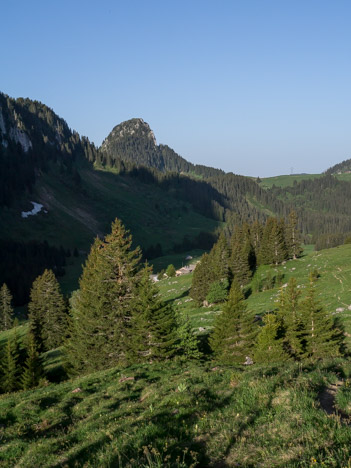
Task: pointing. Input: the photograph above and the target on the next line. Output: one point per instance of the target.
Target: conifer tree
(218, 291)
(291, 316)
(6, 309)
(233, 335)
(153, 327)
(265, 255)
(256, 232)
(47, 312)
(102, 322)
(212, 267)
(242, 258)
(188, 344)
(219, 259)
(202, 279)
(33, 369)
(10, 365)
(170, 271)
(269, 346)
(323, 335)
(293, 237)
(277, 241)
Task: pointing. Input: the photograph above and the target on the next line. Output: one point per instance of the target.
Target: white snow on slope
(36, 209)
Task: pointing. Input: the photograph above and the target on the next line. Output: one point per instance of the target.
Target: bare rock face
(21, 137)
(136, 128)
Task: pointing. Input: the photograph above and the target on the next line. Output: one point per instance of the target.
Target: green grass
(333, 286)
(178, 415)
(286, 180)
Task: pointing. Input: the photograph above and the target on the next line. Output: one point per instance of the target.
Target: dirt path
(327, 402)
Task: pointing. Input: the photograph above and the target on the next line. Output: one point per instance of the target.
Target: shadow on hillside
(171, 432)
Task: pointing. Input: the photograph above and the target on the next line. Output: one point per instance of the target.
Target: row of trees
(249, 246)
(298, 329)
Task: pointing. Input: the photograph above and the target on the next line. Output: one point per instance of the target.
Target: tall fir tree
(293, 237)
(291, 315)
(33, 368)
(234, 332)
(116, 316)
(153, 327)
(324, 335)
(47, 312)
(202, 279)
(269, 347)
(101, 312)
(242, 257)
(6, 309)
(10, 365)
(188, 344)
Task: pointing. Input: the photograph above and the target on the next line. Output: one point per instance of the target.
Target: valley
(221, 367)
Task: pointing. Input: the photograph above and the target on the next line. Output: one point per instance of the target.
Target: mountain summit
(133, 128)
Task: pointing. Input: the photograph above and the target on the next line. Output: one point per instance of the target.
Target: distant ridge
(340, 168)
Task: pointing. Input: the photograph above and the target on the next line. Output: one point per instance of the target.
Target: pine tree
(188, 343)
(6, 309)
(242, 258)
(170, 271)
(101, 309)
(47, 312)
(218, 291)
(291, 316)
(202, 279)
(10, 366)
(33, 369)
(293, 237)
(153, 327)
(324, 337)
(269, 346)
(219, 259)
(233, 335)
(212, 267)
(277, 240)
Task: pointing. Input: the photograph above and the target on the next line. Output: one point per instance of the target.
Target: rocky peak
(136, 128)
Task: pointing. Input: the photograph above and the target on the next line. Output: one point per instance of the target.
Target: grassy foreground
(178, 415)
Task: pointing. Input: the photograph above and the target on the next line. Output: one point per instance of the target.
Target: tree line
(236, 258)
(299, 329)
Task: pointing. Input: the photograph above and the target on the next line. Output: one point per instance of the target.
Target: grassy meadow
(194, 413)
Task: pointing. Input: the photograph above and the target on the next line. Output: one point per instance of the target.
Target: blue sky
(253, 87)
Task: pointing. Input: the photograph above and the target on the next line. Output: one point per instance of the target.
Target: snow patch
(22, 138)
(36, 209)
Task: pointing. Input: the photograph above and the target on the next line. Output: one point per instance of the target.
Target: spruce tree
(202, 279)
(33, 369)
(188, 343)
(10, 365)
(277, 241)
(291, 315)
(6, 309)
(293, 237)
(47, 312)
(170, 271)
(323, 334)
(101, 309)
(269, 346)
(233, 335)
(153, 327)
(242, 258)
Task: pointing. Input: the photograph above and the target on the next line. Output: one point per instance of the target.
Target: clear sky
(253, 87)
